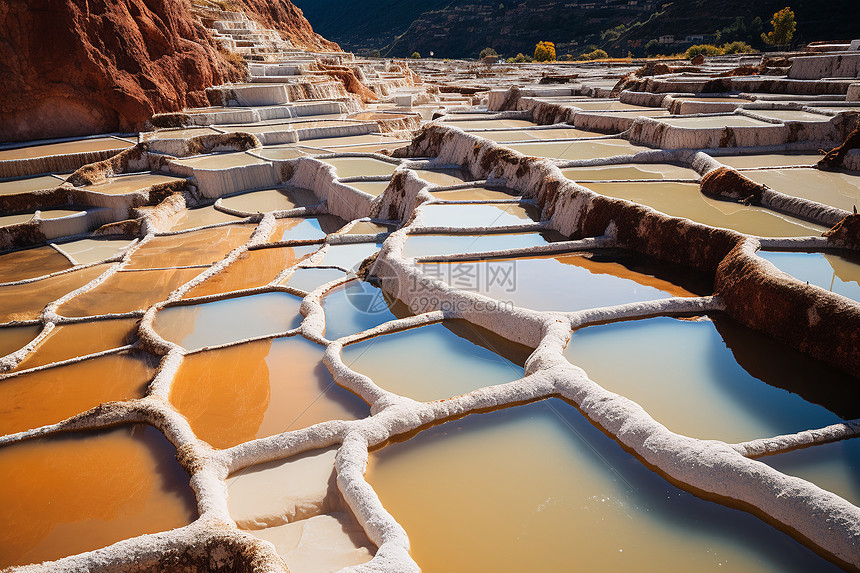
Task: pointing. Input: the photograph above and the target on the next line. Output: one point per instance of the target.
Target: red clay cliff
(80, 67)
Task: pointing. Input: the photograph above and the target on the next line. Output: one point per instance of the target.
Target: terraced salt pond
(267, 200)
(561, 282)
(357, 166)
(27, 301)
(76, 492)
(426, 245)
(833, 467)
(768, 159)
(475, 194)
(686, 200)
(79, 339)
(589, 149)
(830, 271)
(790, 115)
(443, 177)
(229, 320)
(13, 186)
(355, 307)
(31, 263)
(35, 399)
(571, 496)
(259, 389)
(87, 251)
(489, 123)
(131, 183)
(732, 120)
(220, 160)
(374, 188)
(65, 148)
(441, 363)
(712, 380)
(837, 189)
(467, 216)
(527, 134)
(630, 171)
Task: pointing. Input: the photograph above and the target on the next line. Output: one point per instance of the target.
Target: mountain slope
(461, 28)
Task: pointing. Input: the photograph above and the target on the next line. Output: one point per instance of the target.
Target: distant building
(666, 39)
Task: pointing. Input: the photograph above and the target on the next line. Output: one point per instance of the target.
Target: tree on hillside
(415, 56)
(783, 28)
(545, 52)
(488, 52)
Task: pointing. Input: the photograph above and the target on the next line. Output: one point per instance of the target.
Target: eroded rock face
(77, 67)
(284, 17)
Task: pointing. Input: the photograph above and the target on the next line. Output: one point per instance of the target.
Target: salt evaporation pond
(426, 245)
(475, 194)
(200, 217)
(714, 121)
(540, 134)
(349, 256)
(31, 263)
(131, 183)
(829, 271)
(258, 389)
(202, 247)
(440, 363)
(768, 159)
(79, 339)
(565, 282)
(707, 380)
(538, 488)
(13, 338)
(489, 123)
(469, 216)
(220, 160)
(26, 301)
(587, 149)
(356, 166)
(444, 177)
(840, 190)
(374, 188)
(834, 467)
(35, 399)
(310, 278)
(65, 148)
(355, 307)
(267, 200)
(229, 320)
(629, 171)
(127, 291)
(76, 492)
(13, 186)
(87, 251)
(252, 269)
(686, 200)
(309, 525)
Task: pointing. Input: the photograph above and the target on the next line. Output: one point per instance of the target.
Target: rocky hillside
(79, 67)
(461, 28)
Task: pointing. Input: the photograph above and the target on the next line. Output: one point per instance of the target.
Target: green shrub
(520, 58)
(415, 56)
(597, 54)
(737, 47)
(488, 53)
(703, 49)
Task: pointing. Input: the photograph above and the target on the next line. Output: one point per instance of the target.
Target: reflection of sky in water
(834, 467)
(686, 378)
(229, 320)
(439, 363)
(501, 215)
(354, 307)
(828, 271)
(570, 495)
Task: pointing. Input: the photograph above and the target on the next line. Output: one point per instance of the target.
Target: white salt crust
(820, 518)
